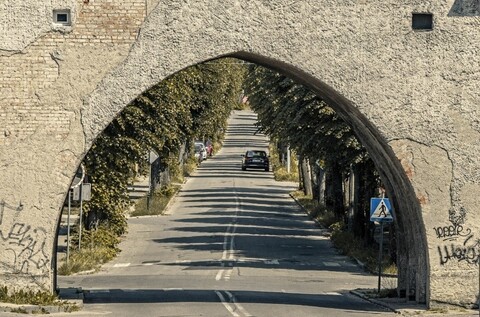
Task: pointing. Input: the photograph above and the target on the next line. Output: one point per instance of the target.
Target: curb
(172, 200)
(374, 301)
(85, 272)
(360, 263)
(306, 212)
(42, 309)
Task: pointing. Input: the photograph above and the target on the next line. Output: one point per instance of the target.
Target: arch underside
(412, 256)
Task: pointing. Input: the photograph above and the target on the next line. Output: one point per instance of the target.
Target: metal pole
(68, 224)
(81, 216)
(380, 256)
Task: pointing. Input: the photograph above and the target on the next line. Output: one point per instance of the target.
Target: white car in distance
(200, 151)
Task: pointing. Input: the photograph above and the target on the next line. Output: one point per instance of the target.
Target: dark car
(255, 159)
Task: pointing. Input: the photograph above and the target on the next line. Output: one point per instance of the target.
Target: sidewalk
(404, 308)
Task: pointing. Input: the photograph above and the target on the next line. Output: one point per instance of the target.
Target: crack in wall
(447, 154)
(57, 57)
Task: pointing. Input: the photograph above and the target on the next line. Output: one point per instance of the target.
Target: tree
(193, 103)
(294, 115)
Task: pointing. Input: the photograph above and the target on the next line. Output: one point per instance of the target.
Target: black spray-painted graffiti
(455, 230)
(468, 251)
(23, 245)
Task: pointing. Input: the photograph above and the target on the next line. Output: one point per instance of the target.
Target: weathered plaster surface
(23, 22)
(418, 90)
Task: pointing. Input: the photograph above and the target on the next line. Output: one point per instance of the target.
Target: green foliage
(189, 166)
(158, 201)
(39, 298)
(292, 113)
(86, 260)
(98, 247)
(280, 172)
(349, 245)
(316, 210)
(27, 297)
(192, 104)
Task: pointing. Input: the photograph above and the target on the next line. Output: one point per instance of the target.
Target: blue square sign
(380, 210)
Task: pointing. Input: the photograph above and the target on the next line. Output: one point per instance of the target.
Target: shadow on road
(334, 301)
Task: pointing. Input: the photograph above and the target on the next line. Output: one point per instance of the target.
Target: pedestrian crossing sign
(380, 210)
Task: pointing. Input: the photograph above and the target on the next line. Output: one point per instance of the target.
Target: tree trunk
(306, 177)
(351, 199)
(321, 187)
(337, 188)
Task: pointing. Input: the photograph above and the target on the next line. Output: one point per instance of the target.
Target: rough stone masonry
(404, 74)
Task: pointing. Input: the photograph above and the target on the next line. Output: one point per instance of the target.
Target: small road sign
(85, 190)
(380, 210)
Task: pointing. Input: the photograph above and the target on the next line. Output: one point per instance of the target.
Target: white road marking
(226, 305)
(121, 265)
(237, 304)
(271, 262)
(228, 274)
(332, 294)
(335, 264)
(98, 291)
(218, 277)
(229, 243)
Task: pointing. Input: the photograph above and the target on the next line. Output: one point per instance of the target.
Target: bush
(98, 247)
(279, 171)
(158, 201)
(29, 297)
(189, 167)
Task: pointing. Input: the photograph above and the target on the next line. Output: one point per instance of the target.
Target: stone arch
(412, 243)
(412, 97)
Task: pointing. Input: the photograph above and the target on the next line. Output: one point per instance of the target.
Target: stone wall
(412, 96)
(45, 72)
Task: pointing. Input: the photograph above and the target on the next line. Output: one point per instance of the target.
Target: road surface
(233, 243)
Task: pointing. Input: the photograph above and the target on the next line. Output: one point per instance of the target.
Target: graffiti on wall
(463, 246)
(23, 245)
(455, 229)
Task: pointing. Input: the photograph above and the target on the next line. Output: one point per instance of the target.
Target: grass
(86, 260)
(280, 172)
(98, 247)
(349, 245)
(317, 211)
(157, 202)
(29, 297)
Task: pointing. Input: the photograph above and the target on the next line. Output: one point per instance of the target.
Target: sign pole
(380, 256)
(80, 222)
(68, 224)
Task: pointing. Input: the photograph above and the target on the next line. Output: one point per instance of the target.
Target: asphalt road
(233, 243)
